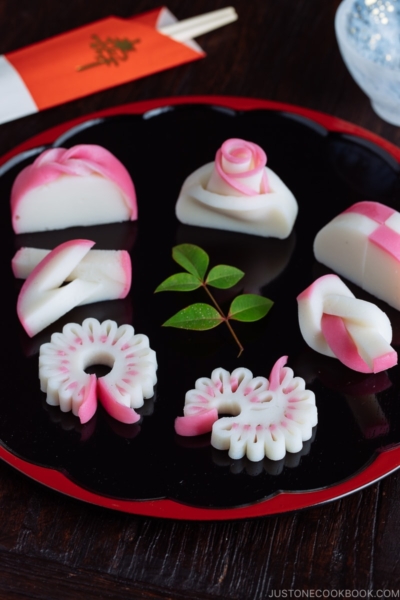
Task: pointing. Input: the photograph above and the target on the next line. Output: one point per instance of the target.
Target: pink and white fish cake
(363, 244)
(62, 364)
(102, 275)
(239, 193)
(335, 323)
(84, 185)
(112, 267)
(270, 417)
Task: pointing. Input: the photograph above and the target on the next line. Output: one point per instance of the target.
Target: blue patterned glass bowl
(381, 83)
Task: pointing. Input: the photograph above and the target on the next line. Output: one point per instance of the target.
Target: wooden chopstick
(209, 17)
(195, 26)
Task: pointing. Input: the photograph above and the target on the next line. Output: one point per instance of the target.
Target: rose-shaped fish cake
(239, 193)
(84, 185)
(239, 170)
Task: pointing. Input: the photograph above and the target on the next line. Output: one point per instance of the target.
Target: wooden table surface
(55, 547)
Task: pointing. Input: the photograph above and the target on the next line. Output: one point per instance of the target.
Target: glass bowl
(381, 83)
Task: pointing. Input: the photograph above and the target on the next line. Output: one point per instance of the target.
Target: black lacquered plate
(146, 468)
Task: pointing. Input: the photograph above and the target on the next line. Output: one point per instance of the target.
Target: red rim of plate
(387, 460)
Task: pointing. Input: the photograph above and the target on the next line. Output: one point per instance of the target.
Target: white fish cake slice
(363, 245)
(112, 269)
(43, 299)
(80, 186)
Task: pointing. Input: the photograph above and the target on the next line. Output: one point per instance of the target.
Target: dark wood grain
(52, 546)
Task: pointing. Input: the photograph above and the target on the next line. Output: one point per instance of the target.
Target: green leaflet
(224, 277)
(192, 258)
(180, 282)
(199, 317)
(249, 307)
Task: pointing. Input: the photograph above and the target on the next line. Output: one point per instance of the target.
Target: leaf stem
(226, 319)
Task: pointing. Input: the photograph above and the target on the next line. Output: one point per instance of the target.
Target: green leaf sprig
(201, 316)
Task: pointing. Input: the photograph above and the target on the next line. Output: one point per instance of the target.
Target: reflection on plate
(146, 468)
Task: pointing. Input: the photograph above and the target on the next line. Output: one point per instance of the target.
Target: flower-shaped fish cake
(63, 361)
(269, 417)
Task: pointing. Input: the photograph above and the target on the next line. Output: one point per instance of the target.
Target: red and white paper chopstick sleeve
(87, 60)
